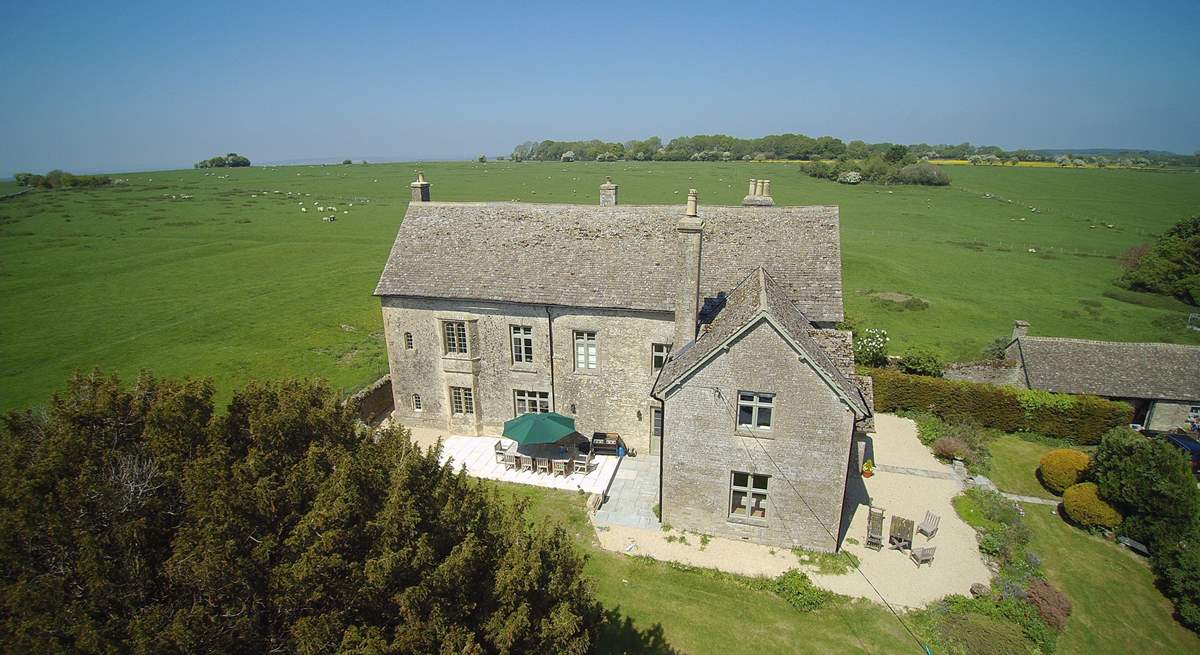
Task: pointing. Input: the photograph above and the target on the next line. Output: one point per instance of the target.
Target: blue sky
(129, 86)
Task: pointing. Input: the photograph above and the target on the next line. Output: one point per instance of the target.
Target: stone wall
(807, 449)
(374, 401)
(1001, 373)
(614, 397)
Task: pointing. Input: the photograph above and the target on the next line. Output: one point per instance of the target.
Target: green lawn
(235, 283)
(1117, 609)
(1014, 465)
(653, 607)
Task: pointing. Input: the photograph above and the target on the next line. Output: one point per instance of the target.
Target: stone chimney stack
(419, 189)
(687, 293)
(1020, 329)
(759, 195)
(608, 193)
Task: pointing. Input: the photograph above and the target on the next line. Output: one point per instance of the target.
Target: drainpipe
(550, 328)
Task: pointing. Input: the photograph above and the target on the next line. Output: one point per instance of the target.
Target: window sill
(587, 371)
(524, 368)
(754, 434)
(742, 520)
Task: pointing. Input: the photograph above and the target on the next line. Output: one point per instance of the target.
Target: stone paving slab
(477, 455)
(632, 495)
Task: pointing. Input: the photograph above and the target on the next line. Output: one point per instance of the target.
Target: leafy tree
(895, 154)
(139, 520)
(1150, 482)
(1171, 267)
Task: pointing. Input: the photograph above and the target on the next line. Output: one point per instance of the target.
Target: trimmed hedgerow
(1080, 419)
(1082, 502)
(1062, 468)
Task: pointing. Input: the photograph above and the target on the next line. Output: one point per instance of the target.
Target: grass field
(1014, 465)
(236, 283)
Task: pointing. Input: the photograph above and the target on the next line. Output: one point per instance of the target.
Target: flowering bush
(870, 348)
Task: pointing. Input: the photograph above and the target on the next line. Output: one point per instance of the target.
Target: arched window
(416, 401)
(408, 341)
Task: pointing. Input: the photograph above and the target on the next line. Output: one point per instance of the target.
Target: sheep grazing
(304, 209)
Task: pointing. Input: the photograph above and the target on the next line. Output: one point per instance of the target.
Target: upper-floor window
(585, 350)
(656, 422)
(454, 337)
(522, 344)
(462, 400)
(748, 495)
(416, 402)
(408, 341)
(755, 410)
(530, 402)
(658, 354)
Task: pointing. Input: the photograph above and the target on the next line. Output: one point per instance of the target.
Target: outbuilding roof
(759, 296)
(1159, 371)
(623, 256)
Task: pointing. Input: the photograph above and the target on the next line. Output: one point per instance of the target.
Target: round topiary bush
(1062, 468)
(1083, 504)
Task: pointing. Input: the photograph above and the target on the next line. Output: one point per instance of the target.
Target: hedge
(1081, 419)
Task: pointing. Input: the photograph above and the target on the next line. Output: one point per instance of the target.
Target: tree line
(722, 147)
(232, 160)
(139, 519)
(57, 179)
(1170, 266)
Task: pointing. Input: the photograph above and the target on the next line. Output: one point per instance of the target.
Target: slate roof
(1159, 371)
(759, 294)
(611, 257)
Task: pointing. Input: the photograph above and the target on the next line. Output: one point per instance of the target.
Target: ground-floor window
(462, 400)
(748, 495)
(530, 402)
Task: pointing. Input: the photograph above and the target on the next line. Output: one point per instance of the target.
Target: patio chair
(929, 526)
(583, 463)
(510, 462)
(923, 555)
(875, 529)
(560, 467)
(900, 537)
(543, 465)
(526, 462)
(499, 450)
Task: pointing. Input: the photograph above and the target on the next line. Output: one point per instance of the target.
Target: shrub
(1150, 482)
(923, 173)
(1062, 468)
(950, 447)
(1081, 419)
(998, 348)
(1171, 267)
(1052, 604)
(921, 361)
(870, 347)
(798, 590)
(983, 635)
(1082, 502)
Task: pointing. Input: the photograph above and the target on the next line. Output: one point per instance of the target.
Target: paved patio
(908, 481)
(633, 494)
(478, 456)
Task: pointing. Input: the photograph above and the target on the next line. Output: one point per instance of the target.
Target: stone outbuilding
(492, 310)
(1160, 380)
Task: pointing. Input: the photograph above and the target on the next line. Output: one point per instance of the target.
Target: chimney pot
(419, 190)
(608, 193)
(753, 187)
(1020, 329)
(692, 203)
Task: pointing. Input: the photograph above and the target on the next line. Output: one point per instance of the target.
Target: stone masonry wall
(614, 397)
(808, 445)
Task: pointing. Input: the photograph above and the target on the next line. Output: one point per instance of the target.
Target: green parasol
(533, 429)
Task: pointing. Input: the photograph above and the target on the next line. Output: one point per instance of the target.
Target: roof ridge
(1184, 346)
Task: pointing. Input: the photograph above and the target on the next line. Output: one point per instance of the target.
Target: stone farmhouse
(705, 335)
(1160, 380)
